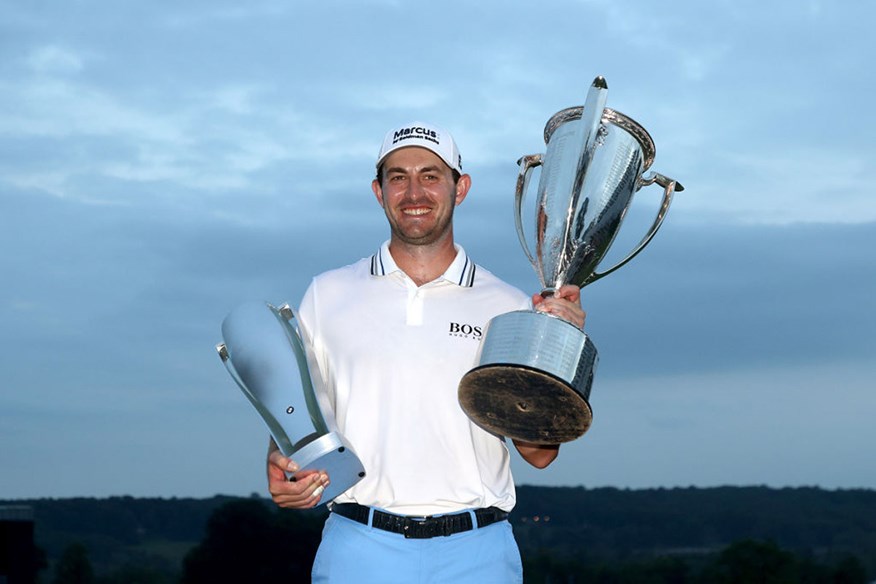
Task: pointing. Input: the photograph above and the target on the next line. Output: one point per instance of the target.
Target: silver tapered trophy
(264, 353)
(534, 370)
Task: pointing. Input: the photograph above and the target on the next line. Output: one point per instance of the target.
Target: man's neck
(423, 263)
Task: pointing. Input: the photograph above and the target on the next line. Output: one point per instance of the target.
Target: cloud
(55, 60)
(778, 428)
(797, 185)
(399, 97)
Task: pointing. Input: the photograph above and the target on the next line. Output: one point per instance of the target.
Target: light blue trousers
(351, 552)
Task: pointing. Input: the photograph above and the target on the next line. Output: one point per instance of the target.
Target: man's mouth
(416, 211)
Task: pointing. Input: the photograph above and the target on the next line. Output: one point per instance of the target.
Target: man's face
(418, 195)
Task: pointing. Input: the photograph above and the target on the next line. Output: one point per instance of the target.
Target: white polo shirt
(392, 354)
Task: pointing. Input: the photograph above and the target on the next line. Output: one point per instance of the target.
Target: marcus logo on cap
(417, 132)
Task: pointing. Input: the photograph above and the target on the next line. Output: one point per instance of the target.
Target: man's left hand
(565, 303)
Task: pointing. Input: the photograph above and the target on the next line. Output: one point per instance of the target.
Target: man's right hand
(304, 492)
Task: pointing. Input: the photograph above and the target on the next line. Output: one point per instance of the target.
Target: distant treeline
(565, 535)
(620, 523)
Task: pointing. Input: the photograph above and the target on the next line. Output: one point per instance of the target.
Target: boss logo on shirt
(467, 331)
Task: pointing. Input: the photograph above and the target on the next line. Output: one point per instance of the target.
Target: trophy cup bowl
(266, 357)
(535, 371)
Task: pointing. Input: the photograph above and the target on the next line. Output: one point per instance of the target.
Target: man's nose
(415, 189)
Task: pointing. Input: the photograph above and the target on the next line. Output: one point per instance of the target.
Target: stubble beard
(438, 232)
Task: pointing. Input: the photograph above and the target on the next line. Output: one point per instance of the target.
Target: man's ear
(378, 192)
(462, 187)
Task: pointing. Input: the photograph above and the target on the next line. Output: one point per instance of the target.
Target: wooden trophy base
(525, 404)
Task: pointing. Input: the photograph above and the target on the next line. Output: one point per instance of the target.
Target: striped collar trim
(461, 272)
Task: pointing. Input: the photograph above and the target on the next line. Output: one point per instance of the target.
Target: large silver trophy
(264, 353)
(535, 370)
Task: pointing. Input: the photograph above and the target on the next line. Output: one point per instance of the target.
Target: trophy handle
(526, 164)
(670, 186)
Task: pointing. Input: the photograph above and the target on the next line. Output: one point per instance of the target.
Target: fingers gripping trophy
(534, 371)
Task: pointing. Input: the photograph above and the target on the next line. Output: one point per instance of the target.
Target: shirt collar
(460, 272)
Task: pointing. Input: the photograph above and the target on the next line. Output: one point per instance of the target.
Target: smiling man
(392, 335)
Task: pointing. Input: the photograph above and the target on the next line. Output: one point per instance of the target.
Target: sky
(163, 162)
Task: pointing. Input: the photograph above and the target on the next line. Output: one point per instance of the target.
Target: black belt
(419, 527)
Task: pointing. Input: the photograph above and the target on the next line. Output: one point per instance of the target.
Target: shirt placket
(415, 304)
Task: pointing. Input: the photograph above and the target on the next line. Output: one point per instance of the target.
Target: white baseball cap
(425, 136)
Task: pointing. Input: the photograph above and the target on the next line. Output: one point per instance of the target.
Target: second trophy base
(524, 404)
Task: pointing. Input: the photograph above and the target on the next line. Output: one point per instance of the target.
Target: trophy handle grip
(526, 164)
(670, 187)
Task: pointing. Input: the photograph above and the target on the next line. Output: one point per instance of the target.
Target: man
(387, 334)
